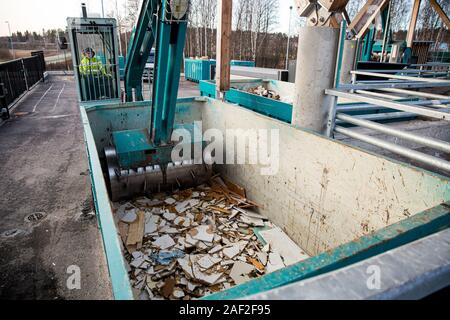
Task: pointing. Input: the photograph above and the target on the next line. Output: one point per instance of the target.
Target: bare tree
(133, 8)
(400, 13)
(353, 7)
(430, 26)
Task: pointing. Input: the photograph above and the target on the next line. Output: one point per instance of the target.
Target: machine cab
(95, 58)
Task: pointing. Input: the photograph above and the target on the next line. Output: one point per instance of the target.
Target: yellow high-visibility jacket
(91, 66)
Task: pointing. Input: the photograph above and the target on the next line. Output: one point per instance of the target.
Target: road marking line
(58, 116)
(59, 95)
(35, 106)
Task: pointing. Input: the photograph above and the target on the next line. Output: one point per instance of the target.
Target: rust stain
(365, 227)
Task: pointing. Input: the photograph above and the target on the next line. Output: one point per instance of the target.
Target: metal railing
(398, 93)
(17, 77)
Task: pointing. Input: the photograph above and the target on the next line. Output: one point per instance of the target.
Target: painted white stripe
(37, 103)
(57, 100)
(57, 116)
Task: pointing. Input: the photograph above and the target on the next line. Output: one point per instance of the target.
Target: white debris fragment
(137, 254)
(151, 224)
(284, 246)
(164, 242)
(170, 201)
(136, 263)
(203, 277)
(235, 249)
(203, 233)
(207, 262)
(169, 216)
(215, 249)
(178, 293)
(185, 264)
(262, 257)
(275, 262)
(182, 221)
(185, 205)
(190, 240)
(191, 286)
(250, 214)
(252, 221)
(239, 272)
(130, 216)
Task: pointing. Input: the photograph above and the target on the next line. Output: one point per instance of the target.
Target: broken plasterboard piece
(182, 221)
(235, 249)
(239, 272)
(256, 222)
(185, 264)
(164, 242)
(185, 205)
(178, 293)
(275, 262)
(207, 262)
(170, 201)
(129, 216)
(169, 216)
(203, 233)
(215, 249)
(262, 257)
(151, 224)
(250, 214)
(203, 277)
(282, 244)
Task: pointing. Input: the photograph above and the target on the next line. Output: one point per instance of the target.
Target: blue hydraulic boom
(163, 23)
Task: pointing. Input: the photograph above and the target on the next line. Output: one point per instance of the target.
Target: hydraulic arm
(141, 43)
(140, 160)
(163, 23)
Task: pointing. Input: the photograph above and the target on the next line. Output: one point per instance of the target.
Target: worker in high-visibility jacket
(90, 64)
(96, 83)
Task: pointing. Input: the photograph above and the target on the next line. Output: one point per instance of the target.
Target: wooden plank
(136, 232)
(364, 18)
(223, 45)
(234, 187)
(440, 12)
(123, 231)
(412, 23)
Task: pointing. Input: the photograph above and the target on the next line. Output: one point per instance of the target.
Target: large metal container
(339, 203)
(197, 69)
(242, 63)
(281, 109)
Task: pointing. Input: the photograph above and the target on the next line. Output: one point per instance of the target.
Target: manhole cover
(11, 233)
(34, 217)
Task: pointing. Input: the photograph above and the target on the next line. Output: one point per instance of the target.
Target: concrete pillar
(316, 62)
(348, 59)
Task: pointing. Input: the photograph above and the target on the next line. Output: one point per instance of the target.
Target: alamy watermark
(374, 280)
(233, 146)
(73, 281)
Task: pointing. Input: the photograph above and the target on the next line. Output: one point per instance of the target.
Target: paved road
(58, 58)
(43, 168)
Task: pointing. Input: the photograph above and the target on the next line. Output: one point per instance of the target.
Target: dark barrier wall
(18, 76)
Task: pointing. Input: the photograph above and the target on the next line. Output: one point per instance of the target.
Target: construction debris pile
(199, 241)
(263, 92)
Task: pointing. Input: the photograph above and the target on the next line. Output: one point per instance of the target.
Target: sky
(35, 15)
